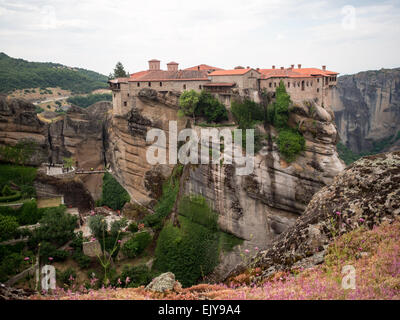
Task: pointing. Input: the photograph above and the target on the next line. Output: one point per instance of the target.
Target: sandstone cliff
(367, 109)
(79, 133)
(256, 208)
(366, 193)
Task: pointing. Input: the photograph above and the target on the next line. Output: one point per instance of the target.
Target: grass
(377, 276)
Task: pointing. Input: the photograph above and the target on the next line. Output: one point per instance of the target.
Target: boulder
(91, 248)
(164, 282)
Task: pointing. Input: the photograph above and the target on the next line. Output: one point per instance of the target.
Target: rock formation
(366, 193)
(79, 133)
(367, 109)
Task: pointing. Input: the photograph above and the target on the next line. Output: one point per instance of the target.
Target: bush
(192, 250)
(136, 245)
(13, 197)
(133, 227)
(117, 226)
(98, 226)
(77, 241)
(247, 113)
(48, 250)
(88, 100)
(66, 277)
(29, 213)
(290, 143)
(6, 191)
(56, 226)
(138, 276)
(82, 260)
(19, 175)
(8, 227)
(113, 194)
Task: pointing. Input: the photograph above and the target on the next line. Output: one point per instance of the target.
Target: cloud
(95, 34)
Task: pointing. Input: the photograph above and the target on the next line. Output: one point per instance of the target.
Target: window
(200, 86)
(311, 83)
(274, 84)
(318, 80)
(149, 84)
(125, 104)
(184, 87)
(114, 95)
(288, 84)
(160, 84)
(302, 85)
(317, 89)
(270, 84)
(138, 84)
(128, 94)
(307, 83)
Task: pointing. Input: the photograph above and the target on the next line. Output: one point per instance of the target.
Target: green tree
(281, 106)
(188, 103)
(68, 162)
(113, 194)
(8, 227)
(119, 71)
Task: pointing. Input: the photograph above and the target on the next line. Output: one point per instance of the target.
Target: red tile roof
(232, 72)
(295, 73)
(161, 75)
(203, 67)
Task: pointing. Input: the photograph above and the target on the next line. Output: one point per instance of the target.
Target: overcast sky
(347, 36)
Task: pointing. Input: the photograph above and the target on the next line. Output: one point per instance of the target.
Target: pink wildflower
(247, 251)
(51, 258)
(119, 241)
(256, 248)
(338, 213)
(127, 280)
(361, 220)
(26, 258)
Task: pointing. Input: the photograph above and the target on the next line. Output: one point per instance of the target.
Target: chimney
(198, 68)
(324, 68)
(281, 68)
(273, 67)
(292, 66)
(154, 65)
(299, 66)
(258, 69)
(172, 66)
(248, 67)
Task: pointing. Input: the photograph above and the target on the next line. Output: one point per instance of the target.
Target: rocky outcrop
(126, 150)
(164, 282)
(79, 134)
(365, 194)
(367, 109)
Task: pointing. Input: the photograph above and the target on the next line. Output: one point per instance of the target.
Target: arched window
(270, 84)
(184, 87)
(302, 85)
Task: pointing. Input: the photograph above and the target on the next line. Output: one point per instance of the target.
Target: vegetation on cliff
(203, 105)
(88, 100)
(21, 74)
(113, 194)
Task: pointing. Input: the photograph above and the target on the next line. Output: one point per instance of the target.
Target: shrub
(48, 250)
(77, 241)
(247, 113)
(29, 213)
(8, 227)
(211, 108)
(66, 277)
(21, 176)
(6, 191)
(98, 226)
(136, 245)
(133, 227)
(290, 143)
(113, 194)
(82, 260)
(13, 197)
(117, 226)
(138, 276)
(56, 226)
(192, 250)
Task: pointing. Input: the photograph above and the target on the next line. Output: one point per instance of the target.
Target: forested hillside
(22, 74)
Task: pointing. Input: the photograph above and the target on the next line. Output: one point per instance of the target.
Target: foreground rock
(366, 193)
(8, 293)
(164, 282)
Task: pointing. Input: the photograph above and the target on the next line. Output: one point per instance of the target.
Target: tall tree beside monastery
(119, 71)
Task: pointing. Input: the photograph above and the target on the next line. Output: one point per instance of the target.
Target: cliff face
(79, 134)
(365, 194)
(367, 108)
(256, 208)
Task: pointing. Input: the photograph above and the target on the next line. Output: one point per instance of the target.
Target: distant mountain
(22, 74)
(367, 113)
